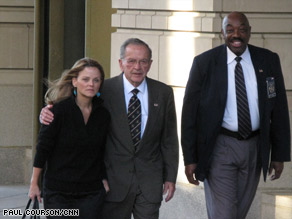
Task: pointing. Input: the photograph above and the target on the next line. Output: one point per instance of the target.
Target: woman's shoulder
(63, 105)
(105, 111)
(99, 108)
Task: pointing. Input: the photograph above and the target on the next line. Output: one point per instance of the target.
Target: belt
(236, 135)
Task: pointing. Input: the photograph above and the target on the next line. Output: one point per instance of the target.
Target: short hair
(133, 41)
(225, 19)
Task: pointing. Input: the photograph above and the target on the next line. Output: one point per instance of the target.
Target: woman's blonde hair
(62, 88)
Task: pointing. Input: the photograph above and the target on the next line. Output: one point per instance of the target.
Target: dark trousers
(233, 178)
(89, 204)
(134, 205)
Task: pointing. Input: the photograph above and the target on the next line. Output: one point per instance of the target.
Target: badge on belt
(271, 89)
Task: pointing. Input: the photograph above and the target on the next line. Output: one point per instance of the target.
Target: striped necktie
(243, 114)
(134, 117)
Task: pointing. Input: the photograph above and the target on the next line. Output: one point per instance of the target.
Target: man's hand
(278, 167)
(105, 185)
(189, 171)
(169, 188)
(46, 116)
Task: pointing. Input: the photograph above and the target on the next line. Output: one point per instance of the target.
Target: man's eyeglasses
(143, 62)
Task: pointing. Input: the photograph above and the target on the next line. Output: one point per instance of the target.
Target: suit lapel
(260, 71)
(153, 109)
(119, 113)
(220, 72)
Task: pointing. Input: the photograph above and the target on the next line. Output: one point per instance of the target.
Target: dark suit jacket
(156, 158)
(205, 101)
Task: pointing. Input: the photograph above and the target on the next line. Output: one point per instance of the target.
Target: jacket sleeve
(189, 114)
(280, 123)
(46, 141)
(169, 139)
(103, 167)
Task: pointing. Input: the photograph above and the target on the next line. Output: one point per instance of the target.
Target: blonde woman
(72, 146)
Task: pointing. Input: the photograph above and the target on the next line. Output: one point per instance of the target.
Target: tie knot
(135, 91)
(238, 59)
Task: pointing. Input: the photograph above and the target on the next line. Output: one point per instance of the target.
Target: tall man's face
(136, 63)
(236, 32)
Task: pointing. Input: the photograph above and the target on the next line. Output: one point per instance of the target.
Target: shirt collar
(129, 87)
(245, 56)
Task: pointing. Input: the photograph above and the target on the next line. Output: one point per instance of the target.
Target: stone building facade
(176, 30)
(16, 82)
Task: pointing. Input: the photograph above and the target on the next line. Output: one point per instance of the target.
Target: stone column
(178, 30)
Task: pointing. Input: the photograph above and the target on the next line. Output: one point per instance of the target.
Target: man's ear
(222, 32)
(121, 65)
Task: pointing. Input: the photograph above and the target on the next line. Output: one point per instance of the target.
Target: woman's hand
(34, 191)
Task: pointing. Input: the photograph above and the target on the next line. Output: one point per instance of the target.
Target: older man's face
(136, 63)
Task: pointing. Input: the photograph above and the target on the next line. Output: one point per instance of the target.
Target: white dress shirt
(142, 96)
(230, 121)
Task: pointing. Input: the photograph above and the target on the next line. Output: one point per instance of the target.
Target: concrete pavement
(13, 197)
(185, 205)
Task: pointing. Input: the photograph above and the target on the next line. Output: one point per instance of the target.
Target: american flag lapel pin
(261, 70)
(155, 104)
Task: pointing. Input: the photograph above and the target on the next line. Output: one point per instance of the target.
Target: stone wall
(16, 63)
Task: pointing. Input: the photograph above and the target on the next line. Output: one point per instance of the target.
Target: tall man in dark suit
(141, 160)
(234, 121)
